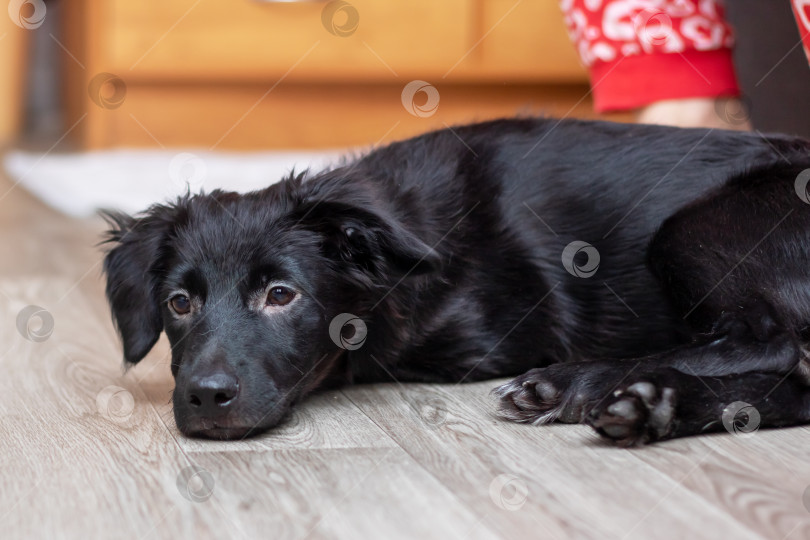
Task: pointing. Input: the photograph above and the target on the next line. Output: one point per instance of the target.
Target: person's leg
(720, 113)
(672, 65)
(801, 11)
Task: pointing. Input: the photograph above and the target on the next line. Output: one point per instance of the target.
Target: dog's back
(504, 200)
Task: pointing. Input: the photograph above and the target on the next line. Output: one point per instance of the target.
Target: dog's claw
(529, 398)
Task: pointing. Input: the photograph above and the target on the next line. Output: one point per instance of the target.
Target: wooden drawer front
(528, 40)
(181, 39)
(304, 115)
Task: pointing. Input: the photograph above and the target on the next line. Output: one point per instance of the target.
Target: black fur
(449, 248)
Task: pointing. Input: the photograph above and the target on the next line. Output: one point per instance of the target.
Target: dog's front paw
(638, 414)
(532, 397)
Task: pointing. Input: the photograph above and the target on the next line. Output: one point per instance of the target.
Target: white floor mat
(131, 180)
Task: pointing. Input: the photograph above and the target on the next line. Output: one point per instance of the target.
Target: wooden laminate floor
(88, 451)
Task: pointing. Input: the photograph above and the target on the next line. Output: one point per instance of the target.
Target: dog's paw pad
(640, 413)
(529, 398)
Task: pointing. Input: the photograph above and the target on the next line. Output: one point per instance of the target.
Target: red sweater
(642, 51)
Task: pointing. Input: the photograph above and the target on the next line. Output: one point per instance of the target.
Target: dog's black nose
(211, 395)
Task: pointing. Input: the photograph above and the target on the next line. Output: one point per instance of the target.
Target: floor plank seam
(427, 471)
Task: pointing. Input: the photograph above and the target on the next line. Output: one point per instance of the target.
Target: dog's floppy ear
(370, 238)
(130, 266)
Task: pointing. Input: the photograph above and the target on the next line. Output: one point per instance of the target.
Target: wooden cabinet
(259, 74)
(13, 57)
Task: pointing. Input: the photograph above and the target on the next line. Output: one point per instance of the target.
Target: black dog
(654, 281)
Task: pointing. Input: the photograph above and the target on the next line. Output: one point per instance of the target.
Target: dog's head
(246, 287)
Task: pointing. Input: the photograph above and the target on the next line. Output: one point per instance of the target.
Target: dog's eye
(180, 304)
(280, 296)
